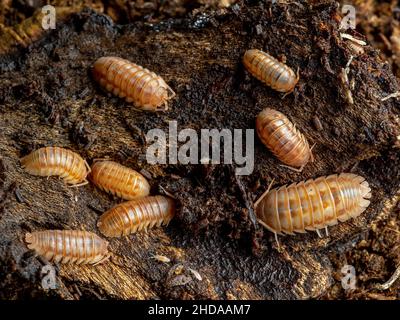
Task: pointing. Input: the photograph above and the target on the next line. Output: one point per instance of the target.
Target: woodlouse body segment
(119, 180)
(313, 204)
(56, 161)
(136, 84)
(269, 70)
(284, 140)
(69, 246)
(135, 215)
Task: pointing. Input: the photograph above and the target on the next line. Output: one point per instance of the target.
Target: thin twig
(350, 37)
(390, 282)
(392, 95)
(247, 201)
(346, 82)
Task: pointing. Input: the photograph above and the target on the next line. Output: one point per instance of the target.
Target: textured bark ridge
(47, 97)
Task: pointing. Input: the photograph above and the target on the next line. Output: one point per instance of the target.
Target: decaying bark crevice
(47, 97)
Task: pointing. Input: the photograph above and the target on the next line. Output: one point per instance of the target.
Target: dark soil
(122, 11)
(47, 97)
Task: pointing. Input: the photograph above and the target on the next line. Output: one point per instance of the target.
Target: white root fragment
(167, 193)
(347, 69)
(345, 80)
(392, 95)
(351, 38)
(390, 282)
(196, 274)
(161, 258)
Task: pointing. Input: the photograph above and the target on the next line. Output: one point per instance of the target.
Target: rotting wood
(200, 58)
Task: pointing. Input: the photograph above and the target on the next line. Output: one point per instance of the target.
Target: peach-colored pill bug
(136, 84)
(313, 204)
(69, 246)
(284, 140)
(119, 180)
(135, 215)
(269, 70)
(56, 161)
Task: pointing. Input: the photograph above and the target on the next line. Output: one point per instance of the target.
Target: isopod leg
(161, 108)
(319, 233)
(169, 194)
(327, 231)
(286, 94)
(88, 167)
(101, 159)
(85, 182)
(106, 257)
(276, 235)
(264, 194)
(277, 241)
(173, 94)
(312, 156)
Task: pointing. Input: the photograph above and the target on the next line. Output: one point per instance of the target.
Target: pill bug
(136, 84)
(284, 140)
(69, 246)
(313, 204)
(355, 48)
(269, 70)
(135, 215)
(56, 161)
(161, 258)
(119, 180)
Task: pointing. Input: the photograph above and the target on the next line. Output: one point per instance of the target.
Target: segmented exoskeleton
(135, 215)
(313, 204)
(56, 161)
(285, 141)
(119, 180)
(69, 246)
(267, 69)
(136, 84)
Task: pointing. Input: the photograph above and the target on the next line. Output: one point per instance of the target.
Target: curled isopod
(119, 180)
(69, 246)
(56, 161)
(135, 215)
(269, 70)
(279, 135)
(136, 84)
(313, 204)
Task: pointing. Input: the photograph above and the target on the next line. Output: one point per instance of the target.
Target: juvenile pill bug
(119, 180)
(56, 161)
(196, 274)
(284, 140)
(161, 258)
(136, 84)
(135, 215)
(269, 70)
(314, 204)
(355, 48)
(69, 246)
